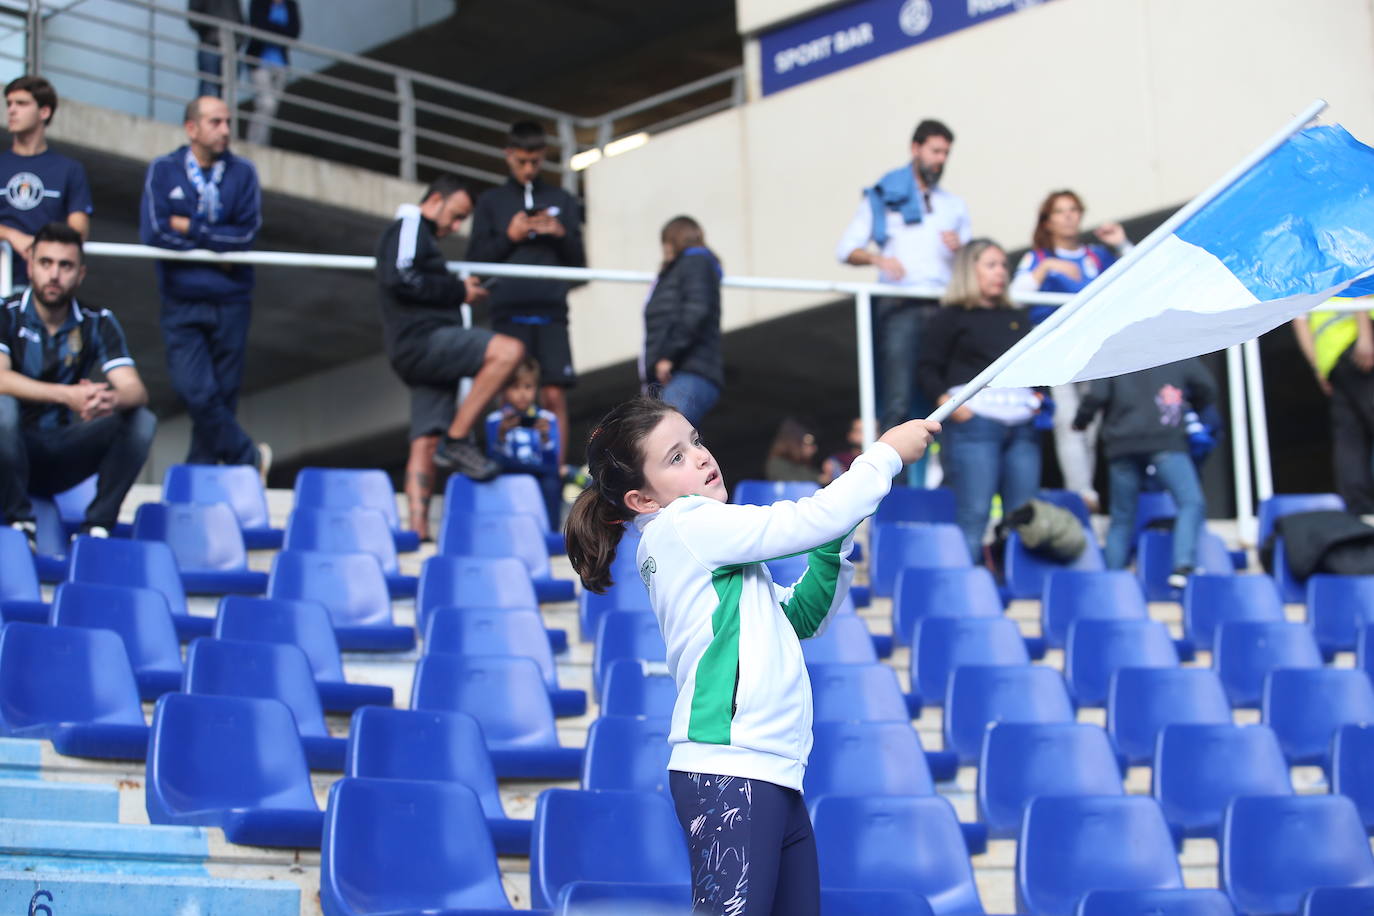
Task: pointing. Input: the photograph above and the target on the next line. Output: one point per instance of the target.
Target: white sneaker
(30, 532)
(96, 531)
(264, 461)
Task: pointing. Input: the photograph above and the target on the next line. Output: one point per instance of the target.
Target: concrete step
(55, 892)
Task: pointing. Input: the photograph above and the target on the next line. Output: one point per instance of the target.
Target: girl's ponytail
(593, 534)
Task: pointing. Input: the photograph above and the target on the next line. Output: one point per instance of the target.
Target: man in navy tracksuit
(203, 196)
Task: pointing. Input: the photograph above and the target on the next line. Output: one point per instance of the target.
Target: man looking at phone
(432, 346)
(526, 221)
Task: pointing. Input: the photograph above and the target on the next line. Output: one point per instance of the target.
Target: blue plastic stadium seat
(959, 592)
(353, 589)
(1198, 769)
(1026, 572)
(143, 564)
(73, 502)
(903, 546)
(615, 837)
(767, 492)
(907, 843)
(940, 645)
(385, 743)
(1274, 849)
(304, 624)
(1173, 902)
(1352, 768)
(624, 595)
(333, 530)
(845, 640)
(979, 695)
(1338, 901)
(1141, 701)
(1021, 760)
(1071, 594)
(1338, 607)
(509, 493)
(1247, 650)
(1071, 845)
(18, 578)
(267, 671)
(1292, 589)
(339, 488)
(603, 898)
(626, 634)
(233, 763)
(141, 618)
(1281, 504)
(630, 691)
(1364, 650)
(507, 696)
(628, 753)
(916, 504)
(1305, 707)
(238, 485)
(1068, 499)
(1096, 649)
(486, 582)
(1154, 506)
(407, 846)
(73, 686)
(492, 535)
(1154, 561)
(866, 758)
(857, 693)
(207, 544)
(502, 631)
(1211, 600)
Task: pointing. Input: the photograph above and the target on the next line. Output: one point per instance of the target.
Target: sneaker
(1179, 578)
(264, 462)
(97, 531)
(30, 532)
(463, 456)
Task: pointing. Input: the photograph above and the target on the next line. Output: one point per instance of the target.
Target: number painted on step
(40, 909)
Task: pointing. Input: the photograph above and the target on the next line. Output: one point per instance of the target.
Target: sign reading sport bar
(861, 30)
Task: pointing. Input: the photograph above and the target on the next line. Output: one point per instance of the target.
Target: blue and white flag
(1293, 231)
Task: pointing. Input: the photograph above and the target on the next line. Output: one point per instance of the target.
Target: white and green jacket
(743, 698)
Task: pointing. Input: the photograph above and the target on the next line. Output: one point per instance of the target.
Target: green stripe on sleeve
(713, 698)
(814, 594)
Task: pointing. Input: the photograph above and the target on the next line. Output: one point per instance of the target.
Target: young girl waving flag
(741, 729)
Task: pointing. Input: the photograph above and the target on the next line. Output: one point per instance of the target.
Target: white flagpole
(1166, 229)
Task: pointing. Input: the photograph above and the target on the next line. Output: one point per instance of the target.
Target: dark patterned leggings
(752, 849)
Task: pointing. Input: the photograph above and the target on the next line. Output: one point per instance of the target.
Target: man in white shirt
(912, 243)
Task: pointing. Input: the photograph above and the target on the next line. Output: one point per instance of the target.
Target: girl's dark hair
(615, 462)
(790, 441)
(1042, 238)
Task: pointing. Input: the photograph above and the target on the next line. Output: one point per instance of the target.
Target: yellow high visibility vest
(1332, 334)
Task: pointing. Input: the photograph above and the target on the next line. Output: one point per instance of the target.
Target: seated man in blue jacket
(203, 196)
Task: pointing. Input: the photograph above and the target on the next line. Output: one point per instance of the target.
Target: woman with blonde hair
(990, 445)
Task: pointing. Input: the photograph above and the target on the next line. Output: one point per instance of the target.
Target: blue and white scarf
(207, 191)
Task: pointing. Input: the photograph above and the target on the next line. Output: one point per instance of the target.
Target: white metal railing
(1249, 428)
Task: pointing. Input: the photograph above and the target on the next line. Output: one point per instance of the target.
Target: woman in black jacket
(682, 322)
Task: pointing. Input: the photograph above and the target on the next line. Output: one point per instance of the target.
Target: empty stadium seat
(1071, 845)
(982, 694)
(73, 502)
(502, 631)
(1021, 760)
(617, 837)
(336, 530)
(18, 578)
(959, 592)
(269, 671)
(857, 693)
(507, 696)
(631, 691)
(1211, 600)
(940, 645)
(1170, 902)
(1154, 561)
(903, 546)
(626, 634)
(207, 544)
(1247, 650)
(1069, 500)
(233, 763)
(53, 559)
(866, 758)
(304, 624)
(508, 493)
(767, 492)
(1274, 849)
(237, 485)
(386, 743)
(1198, 769)
(141, 618)
(1338, 901)
(1292, 589)
(340, 488)
(906, 843)
(1364, 650)
(1281, 504)
(352, 588)
(845, 640)
(1338, 607)
(916, 504)
(406, 846)
(72, 686)
(1304, 707)
(1071, 594)
(1152, 507)
(1141, 701)
(144, 564)
(473, 582)
(624, 595)
(1352, 768)
(1096, 649)
(1026, 572)
(627, 753)
(494, 535)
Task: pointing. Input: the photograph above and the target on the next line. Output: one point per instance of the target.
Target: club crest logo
(24, 190)
(914, 17)
(647, 570)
